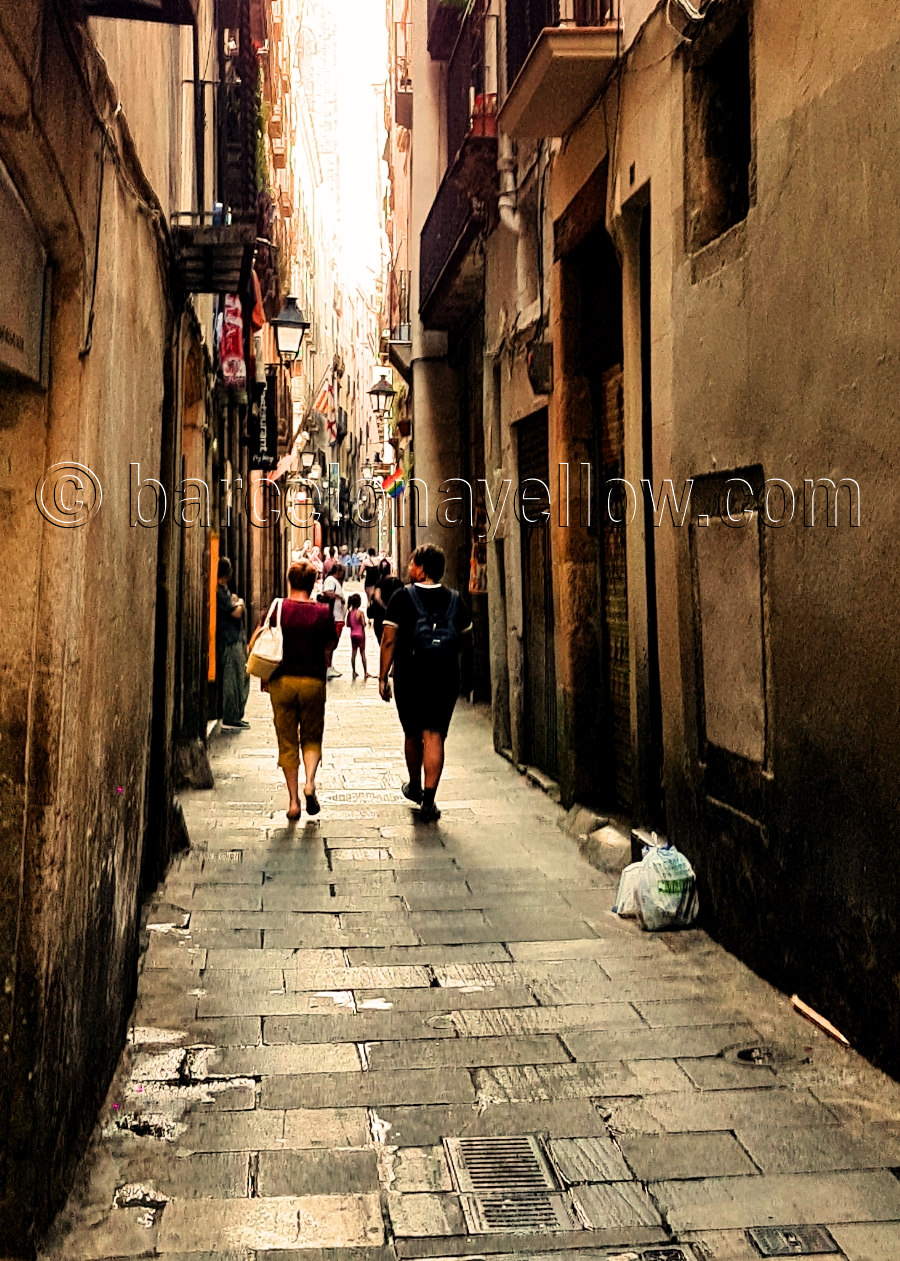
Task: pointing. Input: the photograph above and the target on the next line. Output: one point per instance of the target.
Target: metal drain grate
(519, 1214)
(667, 1254)
(502, 1165)
(792, 1241)
(508, 1186)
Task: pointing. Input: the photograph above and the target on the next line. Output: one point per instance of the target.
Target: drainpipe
(506, 161)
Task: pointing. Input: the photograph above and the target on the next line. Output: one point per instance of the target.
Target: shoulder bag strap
(416, 599)
(268, 622)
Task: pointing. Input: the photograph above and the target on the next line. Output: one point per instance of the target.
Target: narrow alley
(325, 1010)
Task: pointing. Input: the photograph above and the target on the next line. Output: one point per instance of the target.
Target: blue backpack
(435, 637)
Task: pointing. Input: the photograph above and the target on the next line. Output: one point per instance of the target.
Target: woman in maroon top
(297, 687)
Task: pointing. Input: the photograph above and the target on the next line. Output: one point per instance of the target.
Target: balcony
(276, 121)
(213, 259)
(444, 21)
(560, 54)
(452, 272)
(279, 153)
(174, 12)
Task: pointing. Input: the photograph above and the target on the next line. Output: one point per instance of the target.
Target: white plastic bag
(666, 892)
(626, 902)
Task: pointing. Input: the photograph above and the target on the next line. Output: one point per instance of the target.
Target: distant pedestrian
(370, 575)
(297, 687)
(425, 630)
(329, 562)
(333, 594)
(388, 586)
(231, 649)
(356, 624)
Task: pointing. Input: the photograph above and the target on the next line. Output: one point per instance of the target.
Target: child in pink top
(356, 623)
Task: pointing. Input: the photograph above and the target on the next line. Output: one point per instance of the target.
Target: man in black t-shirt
(426, 627)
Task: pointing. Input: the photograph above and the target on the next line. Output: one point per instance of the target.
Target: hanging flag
(323, 400)
(396, 483)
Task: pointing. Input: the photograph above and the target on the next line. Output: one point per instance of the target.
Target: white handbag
(268, 647)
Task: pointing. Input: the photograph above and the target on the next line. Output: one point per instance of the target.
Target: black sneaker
(412, 793)
(237, 726)
(429, 814)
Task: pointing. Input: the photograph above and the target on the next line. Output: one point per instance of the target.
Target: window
(717, 126)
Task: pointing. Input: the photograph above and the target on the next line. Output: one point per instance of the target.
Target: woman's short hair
(302, 576)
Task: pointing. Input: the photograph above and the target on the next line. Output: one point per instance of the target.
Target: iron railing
(525, 19)
(444, 228)
(468, 105)
(400, 307)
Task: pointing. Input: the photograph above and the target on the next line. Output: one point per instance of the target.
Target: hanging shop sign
(264, 426)
(23, 316)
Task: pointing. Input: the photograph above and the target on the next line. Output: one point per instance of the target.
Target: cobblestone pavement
(321, 1007)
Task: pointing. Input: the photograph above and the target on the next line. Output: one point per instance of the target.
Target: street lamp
(307, 460)
(382, 395)
(290, 325)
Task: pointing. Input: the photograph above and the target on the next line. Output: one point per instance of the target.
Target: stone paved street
(320, 1007)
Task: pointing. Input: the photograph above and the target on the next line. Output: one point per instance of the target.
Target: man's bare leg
(414, 752)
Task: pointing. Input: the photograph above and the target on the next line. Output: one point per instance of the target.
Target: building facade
(649, 335)
(132, 165)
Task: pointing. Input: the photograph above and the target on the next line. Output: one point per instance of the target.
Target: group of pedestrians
(422, 627)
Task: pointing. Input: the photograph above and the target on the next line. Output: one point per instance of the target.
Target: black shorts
(425, 706)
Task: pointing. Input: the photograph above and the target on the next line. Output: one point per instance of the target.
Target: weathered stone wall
(77, 639)
(771, 348)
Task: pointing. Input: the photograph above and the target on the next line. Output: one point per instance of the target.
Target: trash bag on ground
(626, 902)
(666, 890)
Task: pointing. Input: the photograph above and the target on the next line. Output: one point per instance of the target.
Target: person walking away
(297, 686)
(387, 587)
(425, 630)
(370, 570)
(356, 622)
(231, 649)
(333, 593)
(329, 562)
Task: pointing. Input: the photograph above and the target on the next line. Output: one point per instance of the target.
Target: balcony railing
(400, 306)
(451, 277)
(526, 19)
(471, 110)
(559, 54)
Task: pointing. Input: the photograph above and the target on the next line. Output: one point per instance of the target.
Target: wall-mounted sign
(23, 261)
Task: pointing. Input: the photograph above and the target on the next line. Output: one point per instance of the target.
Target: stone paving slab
(324, 1090)
(822, 1149)
(365, 1026)
(466, 1052)
(276, 1222)
(779, 1200)
(316, 1173)
(673, 1156)
(426, 1126)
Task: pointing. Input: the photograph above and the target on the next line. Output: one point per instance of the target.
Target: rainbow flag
(395, 484)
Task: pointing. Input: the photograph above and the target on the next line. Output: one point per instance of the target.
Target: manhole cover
(792, 1241)
(505, 1165)
(666, 1254)
(522, 1214)
(758, 1056)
